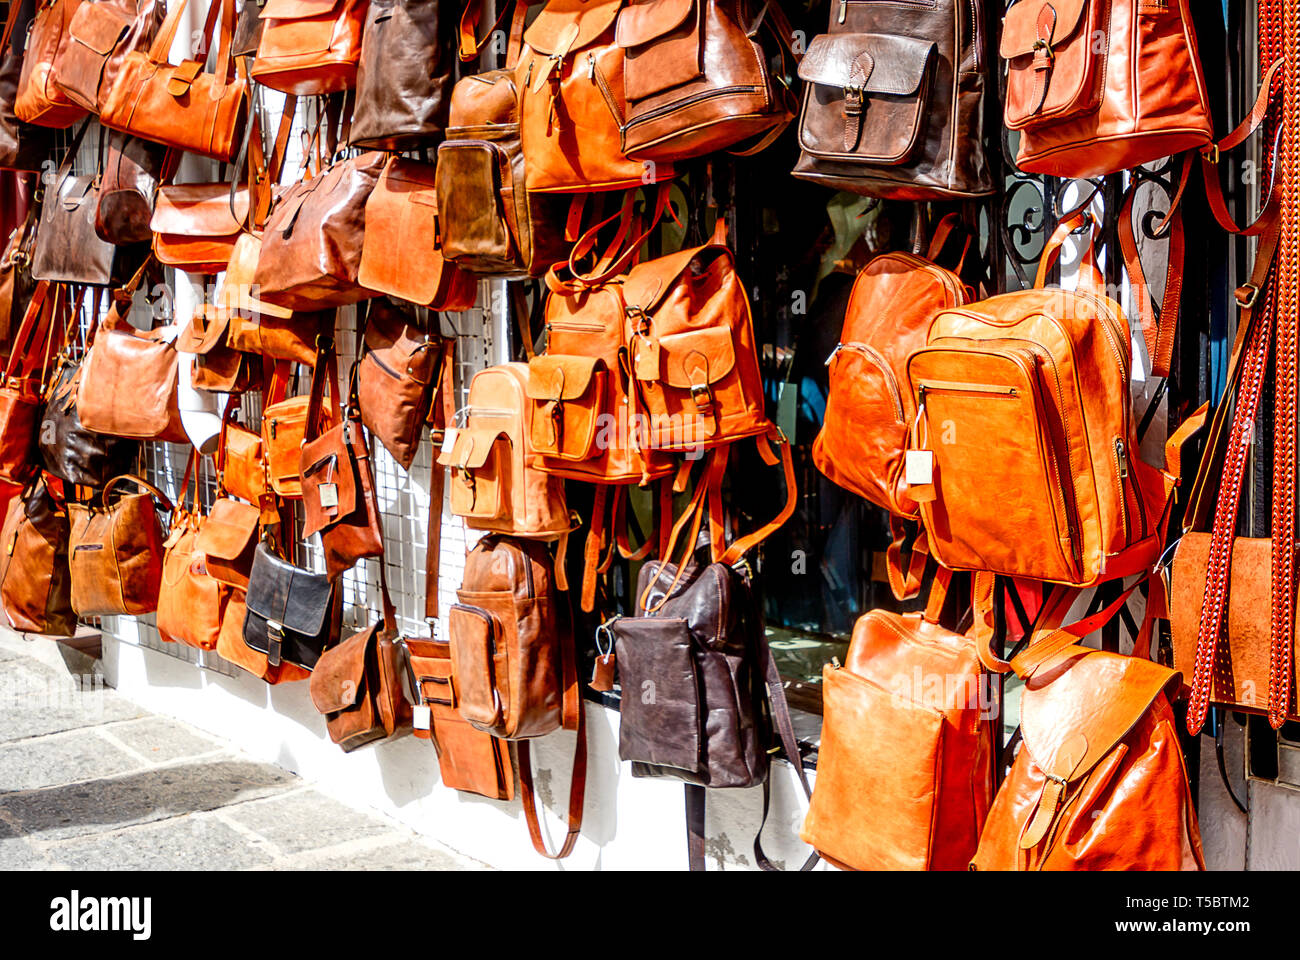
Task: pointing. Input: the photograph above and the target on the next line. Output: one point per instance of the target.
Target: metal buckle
(1041, 44)
(699, 390)
(1248, 301)
(1210, 153)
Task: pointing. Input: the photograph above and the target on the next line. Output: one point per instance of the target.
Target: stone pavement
(89, 780)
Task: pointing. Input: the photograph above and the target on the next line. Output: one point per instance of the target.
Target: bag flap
(697, 357)
(551, 29)
(559, 377)
(297, 9)
(407, 180)
(99, 26)
(1031, 20)
(339, 678)
(229, 529)
(471, 449)
(282, 593)
(1068, 725)
(643, 20)
(198, 210)
(204, 331)
(874, 62)
(648, 281)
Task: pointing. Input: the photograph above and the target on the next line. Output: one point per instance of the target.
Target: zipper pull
(838, 347)
(1122, 454)
(528, 74)
(844, 9)
(273, 429)
(591, 67)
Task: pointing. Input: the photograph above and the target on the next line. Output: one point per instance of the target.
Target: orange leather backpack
(1097, 86)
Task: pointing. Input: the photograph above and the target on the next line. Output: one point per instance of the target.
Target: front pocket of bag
(471, 214)
(567, 396)
(1053, 72)
(474, 633)
(479, 462)
(660, 720)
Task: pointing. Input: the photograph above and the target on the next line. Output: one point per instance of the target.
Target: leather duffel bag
(116, 553)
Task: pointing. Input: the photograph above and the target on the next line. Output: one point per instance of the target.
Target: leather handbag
(495, 484)
(39, 99)
(338, 489)
(284, 430)
(359, 685)
(1098, 86)
(309, 48)
(191, 604)
(35, 586)
(16, 281)
(100, 35)
(468, 759)
(227, 540)
(404, 75)
(570, 78)
(23, 385)
(129, 382)
(68, 450)
(232, 649)
(292, 613)
(401, 378)
(67, 247)
(400, 254)
(258, 327)
(513, 660)
(241, 459)
(116, 551)
(894, 101)
(311, 248)
(128, 183)
(195, 225)
(217, 366)
(490, 222)
(905, 765)
(22, 145)
(718, 706)
(696, 78)
(1100, 783)
(181, 106)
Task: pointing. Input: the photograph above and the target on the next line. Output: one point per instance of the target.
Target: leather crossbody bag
(293, 614)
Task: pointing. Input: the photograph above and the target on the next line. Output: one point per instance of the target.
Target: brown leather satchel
(292, 614)
(40, 100)
(338, 490)
(191, 604)
(514, 665)
(402, 380)
(400, 255)
(227, 540)
(128, 183)
(181, 106)
(67, 247)
(894, 101)
(571, 102)
(468, 759)
(35, 586)
(490, 221)
(311, 248)
(23, 386)
(22, 146)
(905, 765)
(697, 80)
(404, 76)
(195, 225)
(1097, 86)
(309, 47)
(216, 366)
(358, 685)
(129, 383)
(232, 649)
(100, 35)
(284, 430)
(241, 459)
(116, 553)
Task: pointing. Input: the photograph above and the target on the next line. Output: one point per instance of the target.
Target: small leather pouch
(480, 463)
(660, 720)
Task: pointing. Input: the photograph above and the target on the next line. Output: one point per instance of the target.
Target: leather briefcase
(310, 48)
(22, 145)
(35, 585)
(39, 99)
(404, 76)
(117, 551)
(292, 615)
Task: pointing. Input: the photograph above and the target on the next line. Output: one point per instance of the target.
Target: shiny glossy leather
(310, 48)
(68, 450)
(507, 634)
(404, 76)
(494, 483)
(289, 611)
(39, 99)
(1097, 86)
(468, 759)
(127, 187)
(116, 551)
(894, 101)
(194, 228)
(128, 384)
(400, 255)
(869, 408)
(696, 78)
(1099, 782)
(191, 604)
(490, 221)
(35, 586)
(100, 35)
(396, 380)
(311, 248)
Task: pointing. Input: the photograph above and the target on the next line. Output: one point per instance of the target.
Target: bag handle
(32, 320)
(139, 482)
(324, 379)
(470, 46)
(160, 49)
(1089, 275)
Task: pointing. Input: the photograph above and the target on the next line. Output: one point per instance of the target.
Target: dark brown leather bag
(16, 282)
(468, 759)
(490, 222)
(68, 450)
(696, 77)
(404, 77)
(100, 35)
(293, 614)
(358, 685)
(311, 248)
(117, 551)
(35, 586)
(128, 181)
(67, 247)
(399, 379)
(22, 146)
(894, 101)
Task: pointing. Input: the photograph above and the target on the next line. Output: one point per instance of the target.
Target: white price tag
(329, 495)
(449, 438)
(422, 717)
(919, 468)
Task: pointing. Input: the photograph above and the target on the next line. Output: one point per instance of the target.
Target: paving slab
(16, 853)
(35, 702)
(410, 853)
(182, 843)
(60, 759)
(306, 820)
(162, 739)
